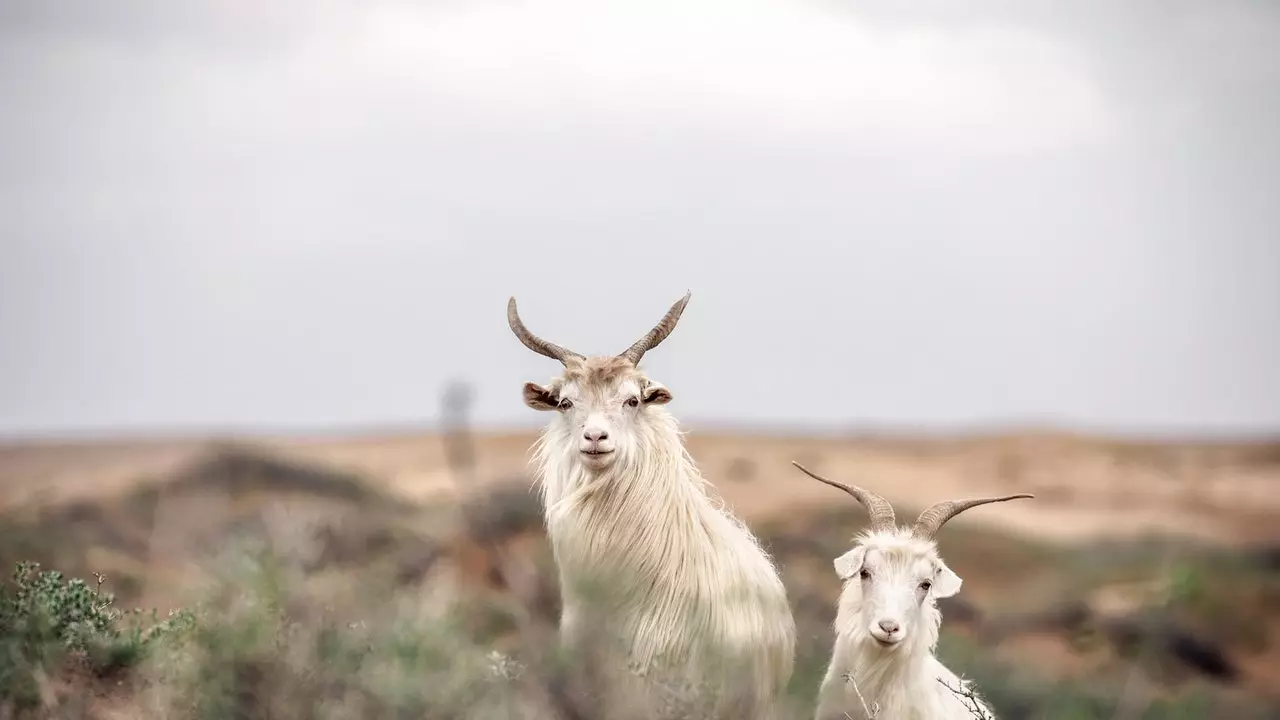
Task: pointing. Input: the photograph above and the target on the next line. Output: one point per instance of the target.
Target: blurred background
(255, 257)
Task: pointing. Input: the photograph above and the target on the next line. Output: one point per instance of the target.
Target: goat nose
(596, 435)
(889, 627)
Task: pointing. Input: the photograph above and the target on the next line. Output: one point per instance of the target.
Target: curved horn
(658, 333)
(533, 342)
(878, 508)
(936, 515)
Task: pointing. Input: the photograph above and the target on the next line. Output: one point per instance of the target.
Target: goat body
(671, 609)
(882, 664)
(905, 681)
(649, 560)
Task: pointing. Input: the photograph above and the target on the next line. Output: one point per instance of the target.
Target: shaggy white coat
(902, 681)
(647, 556)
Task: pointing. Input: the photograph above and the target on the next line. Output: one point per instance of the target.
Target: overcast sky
(299, 214)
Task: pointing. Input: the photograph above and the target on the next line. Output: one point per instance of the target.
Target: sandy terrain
(1085, 489)
(99, 499)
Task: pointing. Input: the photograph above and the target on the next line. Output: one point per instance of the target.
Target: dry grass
(328, 583)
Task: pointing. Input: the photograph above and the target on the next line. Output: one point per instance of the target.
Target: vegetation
(50, 624)
(360, 621)
(264, 643)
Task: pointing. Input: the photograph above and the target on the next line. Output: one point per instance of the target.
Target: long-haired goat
(647, 555)
(887, 622)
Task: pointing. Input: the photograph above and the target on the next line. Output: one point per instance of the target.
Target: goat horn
(933, 518)
(658, 333)
(533, 342)
(881, 512)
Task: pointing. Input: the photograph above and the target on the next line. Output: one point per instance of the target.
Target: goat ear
(850, 563)
(540, 398)
(945, 582)
(656, 394)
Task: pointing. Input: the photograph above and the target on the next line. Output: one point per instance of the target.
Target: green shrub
(47, 621)
(268, 646)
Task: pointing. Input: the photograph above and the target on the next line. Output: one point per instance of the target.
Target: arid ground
(1128, 546)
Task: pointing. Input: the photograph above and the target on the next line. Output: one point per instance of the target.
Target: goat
(666, 597)
(887, 622)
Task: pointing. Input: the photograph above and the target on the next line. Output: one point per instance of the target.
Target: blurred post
(459, 445)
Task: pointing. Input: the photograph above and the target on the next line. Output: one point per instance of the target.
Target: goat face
(898, 572)
(896, 578)
(603, 403)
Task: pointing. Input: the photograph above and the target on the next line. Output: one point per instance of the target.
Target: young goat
(646, 555)
(887, 622)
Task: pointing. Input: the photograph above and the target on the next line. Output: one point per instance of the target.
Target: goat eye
(565, 404)
(926, 585)
(632, 402)
(865, 574)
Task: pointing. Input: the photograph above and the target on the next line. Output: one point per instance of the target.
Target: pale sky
(305, 215)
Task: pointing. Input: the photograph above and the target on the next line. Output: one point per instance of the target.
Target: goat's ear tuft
(850, 563)
(656, 394)
(540, 398)
(945, 582)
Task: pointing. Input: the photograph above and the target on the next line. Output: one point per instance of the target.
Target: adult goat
(670, 607)
(887, 623)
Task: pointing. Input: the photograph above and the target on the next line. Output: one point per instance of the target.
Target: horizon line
(867, 431)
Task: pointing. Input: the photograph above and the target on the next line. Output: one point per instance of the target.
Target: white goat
(882, 663)
(646, 553)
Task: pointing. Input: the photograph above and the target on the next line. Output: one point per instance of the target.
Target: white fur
(643, 548)
(903, 680)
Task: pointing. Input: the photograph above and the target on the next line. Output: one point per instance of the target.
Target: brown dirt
(1085, 490)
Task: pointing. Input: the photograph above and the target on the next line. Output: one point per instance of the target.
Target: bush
(47, 622)
(271, 644)
(276, 641)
